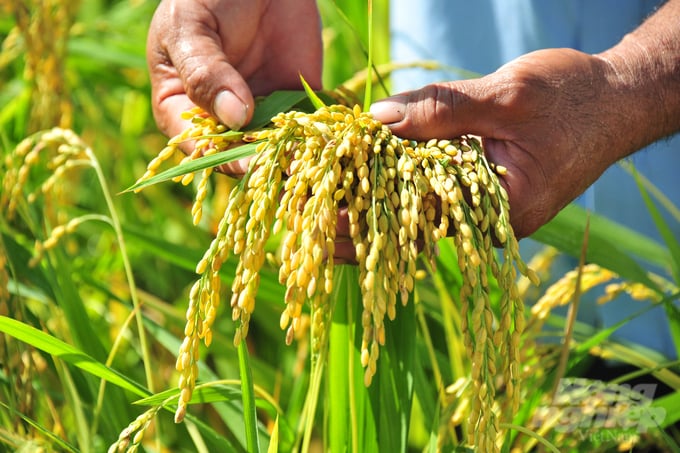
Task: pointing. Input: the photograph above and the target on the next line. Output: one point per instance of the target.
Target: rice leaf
(216, 441)
(664, 230)
(186, 258)
(311, 94)
(374, 418)
(392, 394)
(346, 395)
(673, 245)
(67, 353)
(368, 93)
(58, 441)
(272, 105)
(274, 439)
(94, 51)
(653, 190)
(74, 398)
(602, 334)
(202, 394)
(670, 404)
(611, 245)
(38, 285)
(248, 397)
(213, 160)
(230, 412)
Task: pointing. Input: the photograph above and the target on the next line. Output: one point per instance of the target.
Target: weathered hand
(549, 117)
(217, 54)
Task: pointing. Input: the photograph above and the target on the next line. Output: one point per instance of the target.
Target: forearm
(646, 80)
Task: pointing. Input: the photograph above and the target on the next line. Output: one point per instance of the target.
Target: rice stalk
(401, 197)
(43, 27)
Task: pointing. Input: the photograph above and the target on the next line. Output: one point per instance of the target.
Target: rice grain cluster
(401, 197)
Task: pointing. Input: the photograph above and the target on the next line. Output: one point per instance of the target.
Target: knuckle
(197, 83)
(437, 103)
(521, 92)
(430, 111)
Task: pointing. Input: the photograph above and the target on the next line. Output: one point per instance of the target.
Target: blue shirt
(482, 35)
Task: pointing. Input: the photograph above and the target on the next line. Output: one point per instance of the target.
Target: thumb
(214, 84)
(441, 110)
(191, 68)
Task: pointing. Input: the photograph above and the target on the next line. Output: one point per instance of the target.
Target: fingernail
(230, 110)
(390, 110)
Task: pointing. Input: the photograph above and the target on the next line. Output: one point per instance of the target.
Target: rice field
(124, 327)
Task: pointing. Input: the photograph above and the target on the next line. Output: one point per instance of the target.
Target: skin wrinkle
(274, 57)
(517, 176)
(559, 98)
(230, 45)
(196, 82)
(500, 130)
(253, 62)
(162, 69)
(168, 88)
(666, 43)
(197, 76)
(646, 64)
(659, 95)
(504, 148)
(164, 93)
(621, 84)
(443, 102)
(254, 52)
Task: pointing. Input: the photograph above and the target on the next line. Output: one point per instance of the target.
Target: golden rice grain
(400, 195)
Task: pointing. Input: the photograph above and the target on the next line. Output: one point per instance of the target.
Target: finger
(344, 252)
(442, 110)
(237, 168)
(189, 66)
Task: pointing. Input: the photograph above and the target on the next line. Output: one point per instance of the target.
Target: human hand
(550, 117)
(218, 54)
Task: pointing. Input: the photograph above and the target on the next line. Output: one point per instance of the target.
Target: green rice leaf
(666, 233)
(348, 419)
(231, 411)
(671, 406)
(272, 105)
(248, 397)
(602, 334)
(67, 353)
(653, 190)
(274, 439)
(392, 394)
(102, 53)
(368, 92)
(216, 441)
(611, 245)
(213, 160)
(311, 94)
(376, 418)
(58, 441)
(186, 258)
(202, 394)
(674, 249)
(38, 285)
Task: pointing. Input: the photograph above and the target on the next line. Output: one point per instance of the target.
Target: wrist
(643, 74)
